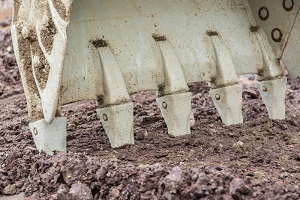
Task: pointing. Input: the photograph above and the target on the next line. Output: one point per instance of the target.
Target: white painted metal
(280, 16)
(226, 73)
(291, 56)
(118, 123)
(176, 111)
(114, 87)
(228, 101)
(174, 76)
(274, 17)
(128, 27)
(50, 137)
(104, 50)
(271, 68)
(273, 95)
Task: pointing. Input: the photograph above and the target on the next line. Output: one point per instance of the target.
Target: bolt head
(218, 97)
(264, 89)
(164, 105)
(104, 117)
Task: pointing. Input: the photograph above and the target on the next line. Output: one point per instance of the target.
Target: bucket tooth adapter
(104, 50)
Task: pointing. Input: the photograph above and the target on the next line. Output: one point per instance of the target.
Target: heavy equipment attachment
(103, 50)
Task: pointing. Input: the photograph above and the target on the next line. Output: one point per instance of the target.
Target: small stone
(10, 190)
(238, 144)
(175, 174)
(20, 183)
(283, 175)
(192, 119)
(9, 49)
(219, 190)
(115, 193)
(221, 147)
(146, 133)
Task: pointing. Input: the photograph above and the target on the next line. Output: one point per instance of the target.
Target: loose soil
(259, 159)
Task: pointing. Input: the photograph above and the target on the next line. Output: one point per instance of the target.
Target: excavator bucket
(103, 50)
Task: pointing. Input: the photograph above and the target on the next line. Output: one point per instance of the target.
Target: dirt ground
(259, 159)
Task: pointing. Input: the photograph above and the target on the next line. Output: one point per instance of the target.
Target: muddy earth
(259, 159)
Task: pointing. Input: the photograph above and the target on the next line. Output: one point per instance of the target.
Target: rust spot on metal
(159, 38)
(99, 43)
(212, 33)
(254, 29)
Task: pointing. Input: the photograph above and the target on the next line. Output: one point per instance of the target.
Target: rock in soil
(10, 190)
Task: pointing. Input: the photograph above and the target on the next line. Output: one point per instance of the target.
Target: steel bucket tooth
(118, 124)
(273, 95)
(50, 137)
(228, 101)
(176, 111)
(175, 103)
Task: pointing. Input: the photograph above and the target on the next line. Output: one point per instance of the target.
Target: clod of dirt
(238, 188)
(80, 191)
(62, 193)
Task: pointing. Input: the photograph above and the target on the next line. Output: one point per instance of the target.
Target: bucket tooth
(175, 103)
(50, 137)
(117, 114)
(113, 81)
(174, 76)
(176, 111)
(117, 121)
(273, 95)
(228, 101)
(226, 73)
(227, 95)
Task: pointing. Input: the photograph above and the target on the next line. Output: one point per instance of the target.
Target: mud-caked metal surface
(103, 50)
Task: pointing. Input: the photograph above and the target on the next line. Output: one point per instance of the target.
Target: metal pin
(264, 89)
(218, 97)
